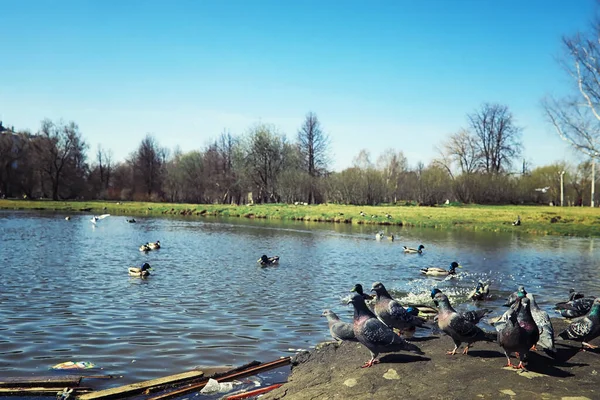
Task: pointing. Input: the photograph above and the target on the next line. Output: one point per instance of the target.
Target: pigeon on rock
(473, 316)
(457, 327)
(340, 330)
(586, 328)
(374, 334)
(542, 320)
(391, 312)
(518, 332)
(575, 308)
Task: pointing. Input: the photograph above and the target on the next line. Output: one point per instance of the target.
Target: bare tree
(393, 165)
(105, 165)
(148, 162)
(497, 136)
(61, 151)
(313, 144)
(577, 118)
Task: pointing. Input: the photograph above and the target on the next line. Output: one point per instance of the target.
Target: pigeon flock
(380, 322)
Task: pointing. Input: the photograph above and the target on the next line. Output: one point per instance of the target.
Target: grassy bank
(571, 221)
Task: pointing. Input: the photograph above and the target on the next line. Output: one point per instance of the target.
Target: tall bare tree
(498, 138)
(313, 144)
(576, 118)
(148, 162)
(61, 152)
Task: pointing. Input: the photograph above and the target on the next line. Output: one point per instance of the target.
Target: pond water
(65, 293)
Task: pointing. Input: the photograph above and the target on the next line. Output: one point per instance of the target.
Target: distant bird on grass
(411, 250)
(142, 271)
(97, 218)
(340, 330)
(585, 329)
(517, 222)
(264, 260)
(376, 336)
(436, 271)
(457, 327)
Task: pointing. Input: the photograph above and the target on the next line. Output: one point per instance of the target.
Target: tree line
(475, 165)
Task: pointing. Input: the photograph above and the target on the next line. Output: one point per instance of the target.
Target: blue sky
(379, 74)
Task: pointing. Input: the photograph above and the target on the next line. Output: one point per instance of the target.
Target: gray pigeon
(391, 312)
(575, 308)
(542, 320)
(457, 327)
(521, 292)
(471, 316)
(586, 328)
(339, 329)
(374, 334)
(518, 332)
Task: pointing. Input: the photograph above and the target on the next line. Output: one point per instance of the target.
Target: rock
(332, 373)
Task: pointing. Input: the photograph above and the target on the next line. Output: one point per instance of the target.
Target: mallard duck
(412, 250)
(67, 218)
(481, 292)
(144, 270)
(154, 245)
(131, 221)
(264, 260)
(145, 247)
(359, 289)
(435, 271)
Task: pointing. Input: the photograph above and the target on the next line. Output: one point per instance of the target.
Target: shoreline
(537, 220)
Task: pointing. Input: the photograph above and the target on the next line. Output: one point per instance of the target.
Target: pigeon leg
(466, 350)
(370, 363)
(453, 352)
(509, 364)
(533, 348)
(589, 346)
(520, 366)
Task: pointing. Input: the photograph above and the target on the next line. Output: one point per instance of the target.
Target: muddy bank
(334, 372)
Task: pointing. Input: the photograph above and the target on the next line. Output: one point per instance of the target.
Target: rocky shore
(334, 371)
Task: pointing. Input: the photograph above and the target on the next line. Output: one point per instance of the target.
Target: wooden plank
(39, 391)
(40, 381)
(254, 393)
(137, 388)
(227, 377)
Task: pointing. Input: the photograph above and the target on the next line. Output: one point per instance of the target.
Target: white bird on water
(98, 218)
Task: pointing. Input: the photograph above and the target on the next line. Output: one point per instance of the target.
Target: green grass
(541, 220)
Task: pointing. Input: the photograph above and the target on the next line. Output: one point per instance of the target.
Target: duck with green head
(411, 250)
(436, 271)
(142, 271)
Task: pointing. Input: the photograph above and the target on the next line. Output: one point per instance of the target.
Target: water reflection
(66, 294)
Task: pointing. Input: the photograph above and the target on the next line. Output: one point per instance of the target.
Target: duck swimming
(154, 245)
(381, 235)
(140, 271)
(481, 292)
(436, 271)
(412, 250)
(264, 260)
(145, 247)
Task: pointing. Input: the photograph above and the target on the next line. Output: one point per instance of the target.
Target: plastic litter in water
(75, 365)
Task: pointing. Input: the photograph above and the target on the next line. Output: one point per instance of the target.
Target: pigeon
(586, 328)
(473, 316)
(339, 329)
(374, 334)
(457, 327)
(391, 312)
(521, 292)
(97, 218)
(573, 295)
(518, 332)
(575, 308)
(546, 331)
(481, 292)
